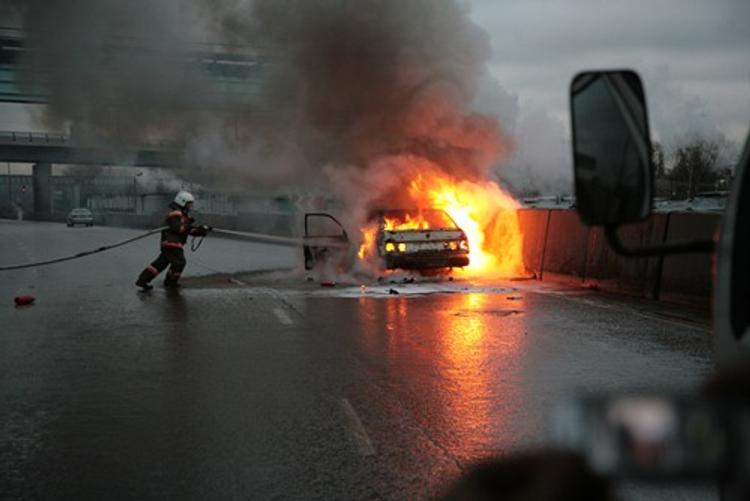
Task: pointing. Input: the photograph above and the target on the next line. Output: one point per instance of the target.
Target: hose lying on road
(80, 254)
(253, 237)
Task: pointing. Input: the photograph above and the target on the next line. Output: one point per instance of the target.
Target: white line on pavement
(364, 445)
(283, 316)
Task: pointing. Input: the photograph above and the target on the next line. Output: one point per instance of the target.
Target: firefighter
(179, 226)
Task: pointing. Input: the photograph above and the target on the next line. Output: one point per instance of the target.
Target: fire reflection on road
(479, 348)
(460, 367)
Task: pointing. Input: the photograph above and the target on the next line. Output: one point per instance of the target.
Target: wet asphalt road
(267, 386)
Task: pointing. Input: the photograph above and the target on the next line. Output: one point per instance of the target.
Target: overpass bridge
(53, 148)
(233, 74)
(233, 71)
(44, 149)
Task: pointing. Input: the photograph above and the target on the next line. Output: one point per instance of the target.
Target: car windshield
(417, 219)
(81, 212)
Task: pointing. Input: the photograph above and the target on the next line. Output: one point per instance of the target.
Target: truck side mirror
(611, 147)
(612, 158)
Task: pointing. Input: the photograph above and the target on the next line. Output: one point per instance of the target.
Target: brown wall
(558, 246)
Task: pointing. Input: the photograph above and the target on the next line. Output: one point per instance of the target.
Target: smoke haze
(356, 90)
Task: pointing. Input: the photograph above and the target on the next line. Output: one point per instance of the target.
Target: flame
(411, 222)
(483, 210)
(488, 216)
(366, 249)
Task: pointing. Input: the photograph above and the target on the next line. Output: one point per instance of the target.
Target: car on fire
(420, 239)
(408, 239)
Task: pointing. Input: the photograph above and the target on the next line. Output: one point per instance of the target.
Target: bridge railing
(20, 137)
(8, 137)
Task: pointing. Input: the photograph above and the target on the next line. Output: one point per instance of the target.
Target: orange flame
(483, 210)
(411, 222)
(418, 219)
(488, 216)
(368, 242)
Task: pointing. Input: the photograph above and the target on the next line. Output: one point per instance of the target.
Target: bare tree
(696, 163)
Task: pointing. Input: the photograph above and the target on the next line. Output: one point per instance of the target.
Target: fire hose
(253, 237)
(80, 254)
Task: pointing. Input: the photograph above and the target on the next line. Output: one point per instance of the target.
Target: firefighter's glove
(200, 231)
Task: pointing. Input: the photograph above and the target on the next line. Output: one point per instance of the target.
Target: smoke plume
(370, 90)
(353, 94)
(116, 71)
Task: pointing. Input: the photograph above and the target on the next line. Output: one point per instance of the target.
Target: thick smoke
(541, 164)
(11, 13)
(371, 90)
(359, 90)
(114, 70)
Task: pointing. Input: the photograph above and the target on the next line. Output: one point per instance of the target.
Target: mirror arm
(693, 246)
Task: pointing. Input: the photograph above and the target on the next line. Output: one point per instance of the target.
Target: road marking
(283, 316)
(282, 298)
(364, 445)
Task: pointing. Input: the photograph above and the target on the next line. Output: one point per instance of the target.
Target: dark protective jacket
(179, 226)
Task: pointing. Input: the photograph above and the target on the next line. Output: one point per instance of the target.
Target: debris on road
(392, 292)
(327, 284)
(24, 300)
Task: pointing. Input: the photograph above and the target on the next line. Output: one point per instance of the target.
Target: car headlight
(453, 245)
(464, 245)
(402, 247)
(390, 247)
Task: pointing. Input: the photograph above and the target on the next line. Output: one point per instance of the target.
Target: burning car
(420, 239)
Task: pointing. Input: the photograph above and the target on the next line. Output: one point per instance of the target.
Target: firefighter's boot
(145, 277)
(171, 280)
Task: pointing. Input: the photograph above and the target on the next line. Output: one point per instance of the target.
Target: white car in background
(80, 216)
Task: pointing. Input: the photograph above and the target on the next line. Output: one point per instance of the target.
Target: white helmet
(183, 198)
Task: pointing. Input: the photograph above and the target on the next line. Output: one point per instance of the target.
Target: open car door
(326, 240)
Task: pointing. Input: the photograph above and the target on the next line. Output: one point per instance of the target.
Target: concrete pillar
(42, 173)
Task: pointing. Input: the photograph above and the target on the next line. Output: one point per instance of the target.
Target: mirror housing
(614, 178)
(611, 147)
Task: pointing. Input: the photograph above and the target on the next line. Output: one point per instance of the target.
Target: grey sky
(694, 55)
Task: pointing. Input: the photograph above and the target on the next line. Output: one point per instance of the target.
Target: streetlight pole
(10, 191)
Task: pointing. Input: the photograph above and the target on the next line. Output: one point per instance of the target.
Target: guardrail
(559, 247)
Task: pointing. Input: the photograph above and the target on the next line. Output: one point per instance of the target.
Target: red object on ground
(327, 284)
(24, 300)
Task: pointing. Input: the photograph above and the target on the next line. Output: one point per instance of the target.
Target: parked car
(80, 216)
